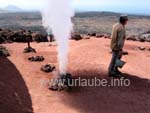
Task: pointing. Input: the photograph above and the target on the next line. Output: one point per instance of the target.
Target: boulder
(1, 39)
(132, 37)
(76, 36)
(38, 37)
(85, 36)
(4, 52)
(21, 35)
(18, 36)
(99, 35)
(62, 82)
(107, 36)
(141, 38)
(7, 35)
(147, 32)
(144, 37)
(92, 34)
(29, 50)
(36, 58)
(141, 48)
(28, 35)
(48, 68)
(4, 35)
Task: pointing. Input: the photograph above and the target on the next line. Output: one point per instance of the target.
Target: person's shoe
(125, 53)
(118, 72)
(115, 75)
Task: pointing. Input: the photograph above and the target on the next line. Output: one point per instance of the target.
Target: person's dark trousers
(112, 67)
(51, 38)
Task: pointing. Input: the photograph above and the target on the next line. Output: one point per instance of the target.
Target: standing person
(117, 44)
(50, 36)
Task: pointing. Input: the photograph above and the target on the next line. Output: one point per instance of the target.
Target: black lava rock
(36, 58)
(29, 50)
(48, 68)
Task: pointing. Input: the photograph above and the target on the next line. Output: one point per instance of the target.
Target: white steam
(57, 16)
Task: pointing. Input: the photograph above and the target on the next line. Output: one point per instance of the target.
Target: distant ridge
(104, 13)
(96, 13)
(3, 11)
(12, 8)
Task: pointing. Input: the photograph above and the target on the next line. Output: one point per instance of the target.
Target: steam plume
(57, 16)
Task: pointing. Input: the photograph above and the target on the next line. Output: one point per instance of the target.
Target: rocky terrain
(22, 89)
(9, 36)
(88, 23)
(24, 76)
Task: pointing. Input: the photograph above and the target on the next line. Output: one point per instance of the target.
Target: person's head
(123, 19)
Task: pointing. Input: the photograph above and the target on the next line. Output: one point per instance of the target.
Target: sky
(125, 6)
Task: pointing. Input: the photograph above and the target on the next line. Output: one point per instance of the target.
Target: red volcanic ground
(22, 91)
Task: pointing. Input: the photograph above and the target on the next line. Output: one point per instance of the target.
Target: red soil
(21, 90)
